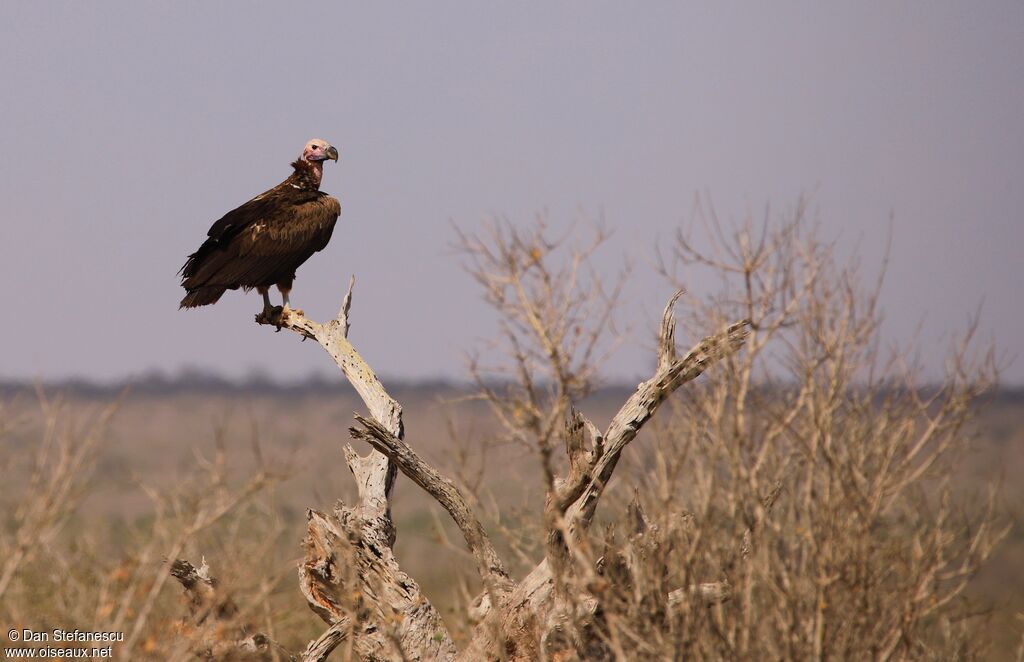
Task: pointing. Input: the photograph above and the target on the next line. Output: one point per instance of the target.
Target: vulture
(264, 241)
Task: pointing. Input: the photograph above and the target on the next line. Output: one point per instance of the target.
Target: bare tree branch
(346, 305)
(489, 565)
(320, 649)
(533, 594)
(641, 406)
(350, 572)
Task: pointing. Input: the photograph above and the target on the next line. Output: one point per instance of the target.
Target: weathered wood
(349, 571)
(533, 597)
(318, 650)
(489, 564)
(649, 395)
(350, 576)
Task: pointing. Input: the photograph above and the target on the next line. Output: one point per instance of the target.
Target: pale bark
(350, 576)
(444, 491)
(349, 565)
(533, 596)
(511, 630)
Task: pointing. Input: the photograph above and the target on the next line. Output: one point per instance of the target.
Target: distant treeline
(205, 383)
(158, 384)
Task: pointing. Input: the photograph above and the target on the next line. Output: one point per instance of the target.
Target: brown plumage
(265, 240)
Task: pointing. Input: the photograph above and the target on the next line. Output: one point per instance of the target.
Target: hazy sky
(128, 128)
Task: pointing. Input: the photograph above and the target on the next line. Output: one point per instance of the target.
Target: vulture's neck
(307, 174)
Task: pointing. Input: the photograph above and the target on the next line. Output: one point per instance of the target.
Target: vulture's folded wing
(263, 241)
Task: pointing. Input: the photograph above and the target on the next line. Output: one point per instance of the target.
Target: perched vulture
(265, 240)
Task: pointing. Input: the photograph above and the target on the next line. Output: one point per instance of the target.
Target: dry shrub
(818, 468)
(797, 504)
(62, 567)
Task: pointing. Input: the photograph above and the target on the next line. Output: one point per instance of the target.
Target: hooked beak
(331, 153)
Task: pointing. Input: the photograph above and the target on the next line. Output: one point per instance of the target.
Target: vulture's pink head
(317, 151)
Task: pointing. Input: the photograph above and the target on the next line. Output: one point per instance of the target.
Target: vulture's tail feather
(202, 296)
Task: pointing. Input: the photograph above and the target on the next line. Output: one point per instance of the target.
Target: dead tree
(350, 576)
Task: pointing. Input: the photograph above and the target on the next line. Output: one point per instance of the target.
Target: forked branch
(671, 373)
(591, 469)
(350, 570)
(489, 565)
(354, 546)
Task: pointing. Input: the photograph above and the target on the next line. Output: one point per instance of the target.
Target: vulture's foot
(273, 315)
(298, 311)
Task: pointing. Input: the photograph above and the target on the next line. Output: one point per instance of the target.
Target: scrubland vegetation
(810, 496)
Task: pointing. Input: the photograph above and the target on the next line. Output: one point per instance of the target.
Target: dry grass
(154, 437)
